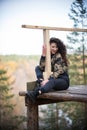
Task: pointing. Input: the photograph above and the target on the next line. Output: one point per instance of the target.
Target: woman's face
(53, 48)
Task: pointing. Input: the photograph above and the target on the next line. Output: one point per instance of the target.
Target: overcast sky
(14, 13)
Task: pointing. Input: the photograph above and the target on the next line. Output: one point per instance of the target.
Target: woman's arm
(43, 58)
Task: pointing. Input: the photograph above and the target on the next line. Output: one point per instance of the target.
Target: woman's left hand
(44, 82)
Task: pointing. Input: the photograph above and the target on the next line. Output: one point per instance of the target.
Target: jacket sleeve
(58, 68)
(42, 63)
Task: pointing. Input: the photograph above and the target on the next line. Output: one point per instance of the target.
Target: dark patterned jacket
(58, 67)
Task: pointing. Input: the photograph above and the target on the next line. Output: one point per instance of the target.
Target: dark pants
(52, 84)
(39, 73)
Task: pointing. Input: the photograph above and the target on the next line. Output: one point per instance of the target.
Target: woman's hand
(44, 82)
(44, 50)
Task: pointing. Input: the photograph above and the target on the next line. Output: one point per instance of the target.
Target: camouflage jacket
(58, 67)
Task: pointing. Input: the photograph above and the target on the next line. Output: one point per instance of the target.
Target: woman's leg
(56, 84)
(39, 73)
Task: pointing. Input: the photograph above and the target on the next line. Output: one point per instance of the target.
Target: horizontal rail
(72, 94)
(55, 28)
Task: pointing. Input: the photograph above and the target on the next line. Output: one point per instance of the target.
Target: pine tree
(8, 121)
(78, 15)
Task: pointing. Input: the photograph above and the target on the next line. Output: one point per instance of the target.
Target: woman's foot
(33, 95)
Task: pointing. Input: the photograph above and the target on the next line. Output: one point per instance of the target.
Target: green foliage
(78, 15)
(75, 113)
(78, 40)
(76, 69)
(63, 116)
(48, 120)
(8, 121)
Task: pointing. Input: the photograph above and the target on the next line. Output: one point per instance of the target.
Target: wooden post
(48, 58)
(32, 115)
(32, 110)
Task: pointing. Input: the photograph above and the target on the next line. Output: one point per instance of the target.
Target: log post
(32, 110)
(32, 116)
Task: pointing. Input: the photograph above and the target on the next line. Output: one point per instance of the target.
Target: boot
(33, 94)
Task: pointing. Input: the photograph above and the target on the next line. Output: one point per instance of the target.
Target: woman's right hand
(44, 82)
(44, 50)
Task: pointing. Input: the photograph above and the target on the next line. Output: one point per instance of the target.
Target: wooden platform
(74, 93)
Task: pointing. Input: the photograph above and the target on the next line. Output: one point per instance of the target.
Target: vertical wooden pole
(32, 110)
(48, 58)
(32, 115)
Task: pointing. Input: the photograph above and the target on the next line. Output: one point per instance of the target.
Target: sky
(14, 13)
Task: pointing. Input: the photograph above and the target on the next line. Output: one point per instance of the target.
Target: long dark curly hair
(61, 48)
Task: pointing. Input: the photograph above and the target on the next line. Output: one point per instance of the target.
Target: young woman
(59, 79)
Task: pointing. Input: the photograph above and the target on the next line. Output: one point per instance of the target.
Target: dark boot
(33, 94)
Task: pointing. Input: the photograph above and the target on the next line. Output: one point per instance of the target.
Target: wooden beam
(47, 72)
(55, 28)
(65, 97)
(72, 94)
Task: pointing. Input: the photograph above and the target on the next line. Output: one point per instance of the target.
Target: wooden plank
(76, 90)
(64, 97)
(72, 94)
(55, 28)
(31, 85)
(47, 72)
(82, 90)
